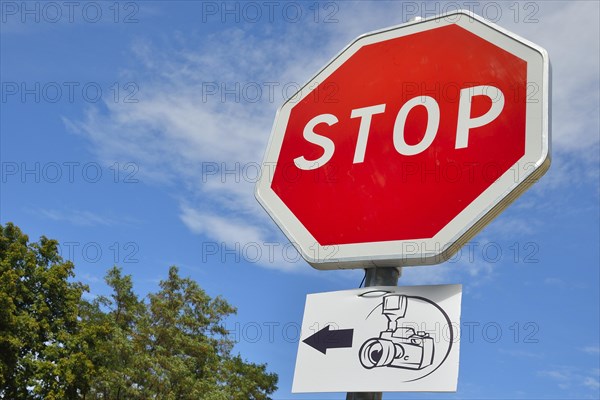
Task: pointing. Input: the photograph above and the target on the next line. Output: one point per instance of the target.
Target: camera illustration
(398, 347)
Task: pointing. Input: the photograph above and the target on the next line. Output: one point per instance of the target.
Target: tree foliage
(55, 344)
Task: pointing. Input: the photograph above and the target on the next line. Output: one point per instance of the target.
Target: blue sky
(131, 133)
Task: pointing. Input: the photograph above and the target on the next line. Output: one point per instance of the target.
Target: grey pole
(382, 276)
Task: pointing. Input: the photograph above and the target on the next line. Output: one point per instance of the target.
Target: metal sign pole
(387, 276)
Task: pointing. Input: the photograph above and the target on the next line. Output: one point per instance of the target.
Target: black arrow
(328, 339)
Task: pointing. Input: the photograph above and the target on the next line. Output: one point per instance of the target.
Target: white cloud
(574, 54)
(594, 350)
(425, 275)
(520, 353)
(78, 217)
(513, 226)
(592, 383)
(567, 377)
(477, 269)
(87, 277)
(222, 229)
(248, 243)
(556, 375)
(554, 282)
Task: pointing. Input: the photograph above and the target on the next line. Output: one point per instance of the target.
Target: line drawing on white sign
(399, 345)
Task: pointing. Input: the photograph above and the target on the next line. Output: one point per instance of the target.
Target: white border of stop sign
(419, 251)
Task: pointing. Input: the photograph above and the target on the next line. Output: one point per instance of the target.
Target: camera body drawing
(397, 346)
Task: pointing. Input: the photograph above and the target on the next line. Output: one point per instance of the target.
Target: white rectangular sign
(380, 339)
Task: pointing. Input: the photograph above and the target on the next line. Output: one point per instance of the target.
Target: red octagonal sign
(408, 142)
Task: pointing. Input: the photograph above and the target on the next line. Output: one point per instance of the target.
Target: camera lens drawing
(400, 345)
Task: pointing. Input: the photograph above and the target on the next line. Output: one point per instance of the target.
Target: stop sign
(408, 142)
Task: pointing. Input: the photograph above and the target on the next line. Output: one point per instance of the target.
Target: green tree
(40, 354)
(56, 345)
